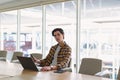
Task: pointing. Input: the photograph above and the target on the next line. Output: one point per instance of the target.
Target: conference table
(14, 71)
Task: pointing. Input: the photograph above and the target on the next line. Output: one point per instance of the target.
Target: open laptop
(27, 63)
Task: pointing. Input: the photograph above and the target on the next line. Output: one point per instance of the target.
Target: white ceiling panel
(7, 5)
(5, 1)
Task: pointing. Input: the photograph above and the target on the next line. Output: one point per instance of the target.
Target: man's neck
(61, 43)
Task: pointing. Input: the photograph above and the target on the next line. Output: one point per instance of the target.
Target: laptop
(27, 63)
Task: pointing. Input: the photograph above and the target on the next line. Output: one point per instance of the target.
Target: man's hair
(58, 29)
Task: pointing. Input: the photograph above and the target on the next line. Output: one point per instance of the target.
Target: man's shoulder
(67, 46)
(54, 46)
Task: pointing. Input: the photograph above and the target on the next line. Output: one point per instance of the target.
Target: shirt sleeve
(66, 59)
(47, 61)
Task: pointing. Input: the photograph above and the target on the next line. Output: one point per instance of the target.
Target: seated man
(59, 54)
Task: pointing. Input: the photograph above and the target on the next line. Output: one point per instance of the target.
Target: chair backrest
(118, 76)
(90, 66)
(3, 53)
(15, 54)
(69, 64)
(37, 55)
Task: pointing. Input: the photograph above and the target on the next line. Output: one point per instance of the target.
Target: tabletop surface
(14, 71)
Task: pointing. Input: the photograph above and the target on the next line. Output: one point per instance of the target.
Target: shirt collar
(63, 44)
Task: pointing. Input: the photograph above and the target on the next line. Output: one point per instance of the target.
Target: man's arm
(47, 61)
(66, 59)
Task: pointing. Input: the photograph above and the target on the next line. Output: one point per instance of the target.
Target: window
(62, 15)
(100, 32)
(30, 33)
(8, 30)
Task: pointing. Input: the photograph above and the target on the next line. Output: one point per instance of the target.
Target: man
(59, 54)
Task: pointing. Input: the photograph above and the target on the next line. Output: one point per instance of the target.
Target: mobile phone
(59, 71)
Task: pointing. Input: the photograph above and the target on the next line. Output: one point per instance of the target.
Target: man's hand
(54, 67)
(49, 68)
(46, 68)
(35, 60)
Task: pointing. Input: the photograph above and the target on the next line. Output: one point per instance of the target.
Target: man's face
(58, 36)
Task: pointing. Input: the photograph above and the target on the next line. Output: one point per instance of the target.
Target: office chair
(68, 69)
(3, 55)
(118, 76)
(14, 57)
(90, 66)
(69, 64)
(37, 55)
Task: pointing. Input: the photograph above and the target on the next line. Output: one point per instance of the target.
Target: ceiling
(92, 4)
(6, 5)
(5, 1)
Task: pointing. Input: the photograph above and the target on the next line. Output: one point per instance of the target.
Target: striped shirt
(63, 56)
(54, 61)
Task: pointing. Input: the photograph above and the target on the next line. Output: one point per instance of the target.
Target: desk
(11, 69)
(17, 73)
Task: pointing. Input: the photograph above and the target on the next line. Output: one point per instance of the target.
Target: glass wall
(99, 35)
(30, 31)
(8, 30)
(100, 32)
(62, 15)
(29, 27)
